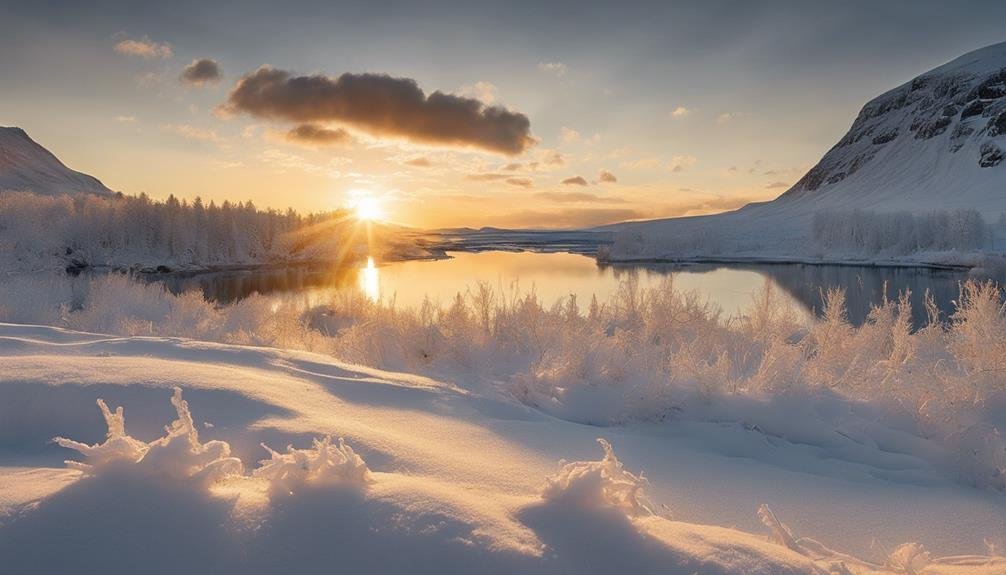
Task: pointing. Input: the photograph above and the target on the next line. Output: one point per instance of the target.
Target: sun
(368, 208)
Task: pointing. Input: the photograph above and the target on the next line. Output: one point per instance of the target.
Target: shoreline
(782, 261)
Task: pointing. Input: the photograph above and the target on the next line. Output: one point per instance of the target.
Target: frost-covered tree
(42, 231)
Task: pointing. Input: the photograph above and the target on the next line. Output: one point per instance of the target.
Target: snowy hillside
(936, 143)
(27, 166)
(431, 478)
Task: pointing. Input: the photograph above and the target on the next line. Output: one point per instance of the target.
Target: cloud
(314, 135)
(144, 48)
(512, 167)
(575, 181)
(569, 135)
(520, 182)
(777, 185)
(481, 91)
(727, 117)
(680, 112)
(381, 105)
(606, 177)
(577, 197)
(487, 177)
(550, 158)
(125, 119)
(641, 164)
(557, 68)
(420, 162)
(190, 132)
(681, 163)
(568, 218)
(201, 72)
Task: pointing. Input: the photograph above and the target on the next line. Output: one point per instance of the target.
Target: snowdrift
(428, 474)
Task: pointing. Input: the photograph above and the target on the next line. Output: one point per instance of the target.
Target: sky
(515, 114)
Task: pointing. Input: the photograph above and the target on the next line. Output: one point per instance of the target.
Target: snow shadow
(31, 415)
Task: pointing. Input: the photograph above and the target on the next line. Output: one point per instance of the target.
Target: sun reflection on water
(370, 281)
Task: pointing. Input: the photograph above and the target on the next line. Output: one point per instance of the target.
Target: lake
(558, 275)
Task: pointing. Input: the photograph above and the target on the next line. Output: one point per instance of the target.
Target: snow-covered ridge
(935, 143)
(935, 138)
(27, 166)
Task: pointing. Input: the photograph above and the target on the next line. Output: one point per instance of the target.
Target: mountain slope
(937, 142)
(27, 166)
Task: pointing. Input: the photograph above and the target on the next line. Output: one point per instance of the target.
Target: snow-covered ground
(432, 476)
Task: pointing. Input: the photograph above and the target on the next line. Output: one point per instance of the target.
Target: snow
(27, 166)
(429, 473)
(917, 148)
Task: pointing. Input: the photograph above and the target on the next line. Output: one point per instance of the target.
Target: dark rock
(973, 109)
(885, 137)
(961, 130)
(997, 125)
(75, 267)
(933, 128)
(991, 155)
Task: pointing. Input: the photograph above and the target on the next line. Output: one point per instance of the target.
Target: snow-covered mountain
(937, 142)
(27, 166)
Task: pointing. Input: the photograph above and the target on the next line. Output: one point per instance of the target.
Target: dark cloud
(318, 135)
(575, 181)
(606, 177)
(201, 72)
(512, 167)
(777, 185)
(520, 182)
(577, 197)
(382, 106)
(419, 162)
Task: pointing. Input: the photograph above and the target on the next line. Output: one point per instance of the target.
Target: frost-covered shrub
(899, 233)
(642, 355)
(603, 483)
(323, 463)
(179, 454)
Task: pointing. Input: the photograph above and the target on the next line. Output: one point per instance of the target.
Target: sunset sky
(507, 114)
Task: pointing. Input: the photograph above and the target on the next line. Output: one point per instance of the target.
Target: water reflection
(370, 281)
(558, 275)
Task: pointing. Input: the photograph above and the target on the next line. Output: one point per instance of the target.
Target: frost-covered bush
(178, 454)
(899, 233)
(323, 463)
(603, 483)
(642, 355)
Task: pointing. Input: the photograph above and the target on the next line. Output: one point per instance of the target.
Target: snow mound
(324, 463)
(179, 454)
(603, 483)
